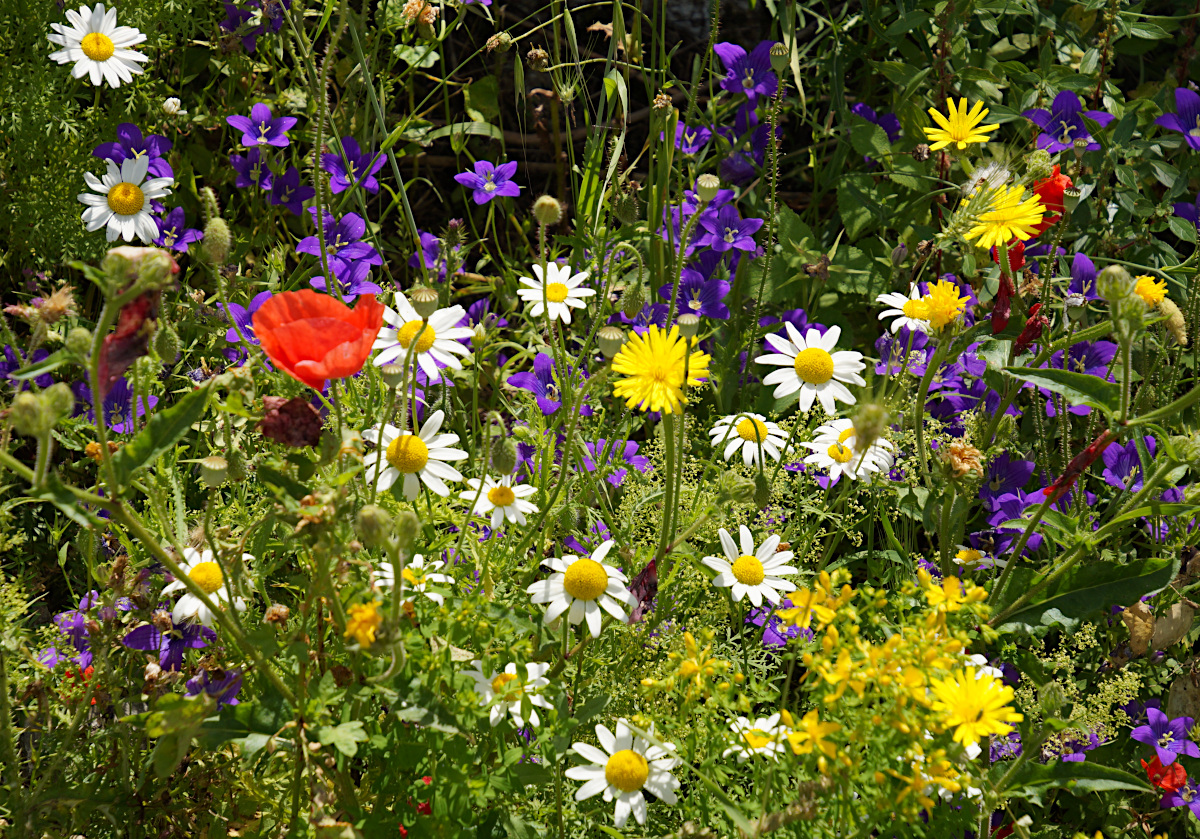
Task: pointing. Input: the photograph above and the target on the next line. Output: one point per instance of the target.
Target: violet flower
(173, 232)
(890, 123)
(689, 139)
(488, 181)
(1187, 795)
(252, 170)
(10, 363)
(243, 316)
(1063, 124)
(1189, 212)
(1003, 748)
(1123, 467)
(237, 18)
(1168, 737)
(341, 239)
(286, 191)
(350, 277)
(1005, 474)
(352, 167)
(170, 645)
(775, 635)
(596, 535)
(751, 73)
(543, 384)
(430, 255)
(652, 314)
(1090, 358)
(1083, 277)
(628, 455)
(1186, 119)
(261, 128)
(130, 145)
(222, 685)
(118, 405)
(729, 230)
(699, 296)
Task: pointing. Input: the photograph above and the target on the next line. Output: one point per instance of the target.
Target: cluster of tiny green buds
(1038, 165)
(424, 300)
(547, 211)
(374, 526)
(35, 414)
(707, 186)
(610, 339)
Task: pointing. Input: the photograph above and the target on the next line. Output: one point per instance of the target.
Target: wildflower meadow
(501, 419)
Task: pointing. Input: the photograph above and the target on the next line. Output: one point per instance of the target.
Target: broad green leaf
(161, 433)
(870, 139)
(1076, 777)
(1088, 588)
(345, 737)
(422, 57)
(459, 130)
(481, 99)
(1182, 228)
(1078, 388)
(38, 368)
(1159, 509)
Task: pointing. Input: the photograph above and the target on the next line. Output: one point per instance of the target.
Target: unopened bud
(707, 187)
(899, 254)
(537, 59)
(171, 107)
(762, 491)
(1115, 283)
(214, 471)
(662, 102)
(208, 200)
(393, 374)
(504, 455)
(688, 325)
(478, 335)
(59, 402)
(152, 267)
(870, 421)
(501, 41)
(627, 208)
(424, 300)
(1174, 321)
(217, 241)
(166, 344)
(237, 466)
(1038, 164)
(547, 211)
(27, 415)
(374, 526)
(632, 299)
(779, 57)
(408, 527)
(1007, 428)
(1071, 198)
(79, 341)
(568, 517)
(610, 339)
(277, 614)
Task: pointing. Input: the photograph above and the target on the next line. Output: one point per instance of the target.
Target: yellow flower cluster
(694, 669)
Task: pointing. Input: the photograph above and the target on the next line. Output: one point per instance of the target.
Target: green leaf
(1182, 228)
(1078, 388)
(1076, 777)
(870, 139)
(481, 98)
(423, 57)
(459, 130)
(161, 433)
(58, 495)
(1089, 588)
(345, 737)
(50, 362)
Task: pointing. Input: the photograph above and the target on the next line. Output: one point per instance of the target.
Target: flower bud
(217, 241)
(478, 336)
(662, 102)
(1071, 198)
(214, 471)
(28, 416)
(393, 374)
(277, 614)
(1006, 429)
(870, 421)
(152, 267)
(522, 432)
(779, 57)
(408, 527)
(537, 59)
(762, 491)
(627, 208)
(424, 300)
(632, 299)
(237, 466)
(79, 341)
(501, 41)
(503, 455)
(707, 187)
(611, 339)
(208, 199)
(374, 526)
(688, 325)
(59, 402)
(899, 254)
(166, 344)
(1080, 146)
(1115, 283)
(171, 107)
(547, 211)
(1038, 165)
(1174, 321)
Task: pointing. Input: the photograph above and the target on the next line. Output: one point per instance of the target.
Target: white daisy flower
(764, 736)
(584, 586)
(812, 367)
(835, 449)
(907, 311)
(751, 433)
(420, 458)
(500, 499)
(203, 570)
(415, 576)
(505, 692)
(99, 48)
(976, 559)
(123, 202)
(626, 766)
(438, 342)
(752, 573)
(560, 290)
(982, 668)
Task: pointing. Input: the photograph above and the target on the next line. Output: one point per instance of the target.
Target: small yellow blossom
(960, 128)
(942, 304)
(810, 734)
(1150, 289)
(362, 622)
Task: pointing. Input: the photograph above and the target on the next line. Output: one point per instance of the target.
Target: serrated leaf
(345, 737)
(161, 433)
(1078, 388)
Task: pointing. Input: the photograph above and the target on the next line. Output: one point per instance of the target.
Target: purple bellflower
(1063, 124)
(238, 16)
(350, 277)
(699, 296)
(252, 170)
(341, 239)
(10, 362)
(1083, 277)
(690, 139)
(1168, 737)
(1189, 212)
(488, 181)
(1005, 474)
(543, 384)
(1092, 359)
(627, 455)
(118, 405)
(751, 73)
(1123, 467)
(173, 232)
(172, 644)
(221, 685)
(1186, 118)
(890, 123)
(243, 316)
(356, 168)
(261, 128)
(286, 191)
(729, 230)
(130, 145)
(1187, 795)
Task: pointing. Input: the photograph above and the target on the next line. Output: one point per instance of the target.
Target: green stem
(919, 411)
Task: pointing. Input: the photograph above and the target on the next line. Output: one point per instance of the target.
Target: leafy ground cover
(465, 419)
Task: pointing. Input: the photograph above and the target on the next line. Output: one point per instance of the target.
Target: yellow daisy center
(207, 575)
(756, 738)
(814, 365)
(968, 555)
(409, 331)
(500, 687)
(747, 570)
(556, 292)
(409, 576)
(915, 309)
(501, 496)
(97, 46)
(627, 770)
(585, 579)
(840, 453)
(126, 199)
(752, 430)
(408, 454)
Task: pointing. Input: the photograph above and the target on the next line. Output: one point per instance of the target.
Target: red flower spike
(1050, 190)
(1033, 329)
(129, 341)
(1002, 309)
(1016, 257)
(313, 337)
(1170, 778)
(1078, 466)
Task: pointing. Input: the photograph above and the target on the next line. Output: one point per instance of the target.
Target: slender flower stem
(919, 410)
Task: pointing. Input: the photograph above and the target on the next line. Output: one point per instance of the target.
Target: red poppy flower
(1170, 778)
(1050, 190)
(313, 337)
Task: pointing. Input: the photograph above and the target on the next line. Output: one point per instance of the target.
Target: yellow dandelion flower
(362, 622)
(960, 128)
(1150, 289)
(653, 366)
(1008, 216)
(941, 305)
(975, 706)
